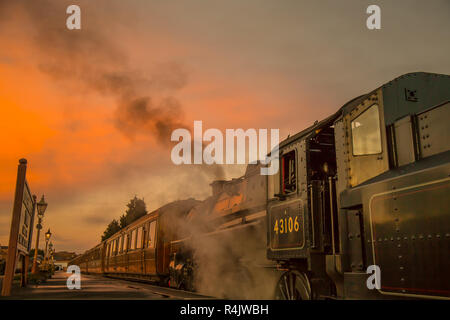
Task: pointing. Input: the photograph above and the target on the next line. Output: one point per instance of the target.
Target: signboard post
(21, 230)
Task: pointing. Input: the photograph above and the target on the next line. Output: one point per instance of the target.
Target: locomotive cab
(302, 216)
(358, 189)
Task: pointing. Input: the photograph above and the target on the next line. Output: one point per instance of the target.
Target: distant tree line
(136, 208)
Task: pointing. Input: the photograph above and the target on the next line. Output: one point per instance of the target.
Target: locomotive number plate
(287, 226)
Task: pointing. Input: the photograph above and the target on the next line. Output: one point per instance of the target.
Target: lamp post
(50, 249)
(53, 259)
(41, 206)
(48, 234)
(50, 256)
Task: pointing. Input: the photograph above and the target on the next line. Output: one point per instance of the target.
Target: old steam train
(191, 244)
(364, 193)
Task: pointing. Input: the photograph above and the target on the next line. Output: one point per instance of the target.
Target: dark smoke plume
(88, 60)
(86, 57)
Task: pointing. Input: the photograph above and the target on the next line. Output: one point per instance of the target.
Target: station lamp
(41, 206)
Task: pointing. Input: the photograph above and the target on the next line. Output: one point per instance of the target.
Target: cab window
(288, 173)
(366, 133)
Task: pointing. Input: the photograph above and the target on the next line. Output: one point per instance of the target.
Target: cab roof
(432, 89)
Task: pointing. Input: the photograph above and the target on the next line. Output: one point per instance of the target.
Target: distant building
(62, 258)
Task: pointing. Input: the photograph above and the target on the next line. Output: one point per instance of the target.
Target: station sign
(21, 230)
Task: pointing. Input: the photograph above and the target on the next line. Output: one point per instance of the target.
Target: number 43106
(286, 225)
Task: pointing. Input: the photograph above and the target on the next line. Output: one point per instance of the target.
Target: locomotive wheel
(293, 285)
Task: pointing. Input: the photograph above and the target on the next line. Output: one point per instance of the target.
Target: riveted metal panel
(302, 170)
(411, 239)
(341, 145)
(413, 93)
(355, 236)
(434, 130)
(290, 226)
(342, 182)
(293, 244)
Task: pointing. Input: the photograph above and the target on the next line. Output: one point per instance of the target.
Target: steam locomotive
(365, 189)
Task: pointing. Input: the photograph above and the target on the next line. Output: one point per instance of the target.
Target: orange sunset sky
(69, 100)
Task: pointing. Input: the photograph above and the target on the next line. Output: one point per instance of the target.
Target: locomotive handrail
(311, 205)
(333, 245)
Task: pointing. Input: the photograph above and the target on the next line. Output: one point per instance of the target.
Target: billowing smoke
(145, 103)
(228, 262)
(87, 60)
(232, 265)
(142, 115)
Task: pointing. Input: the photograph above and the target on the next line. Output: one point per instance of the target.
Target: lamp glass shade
(41, 206)
(48, 234)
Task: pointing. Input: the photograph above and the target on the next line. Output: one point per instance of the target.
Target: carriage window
(133, 240)
(121, 244)
(139, 238)
(114, 247)
(288, 172)
(126, 242)
(151, 235)
(366, 133)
